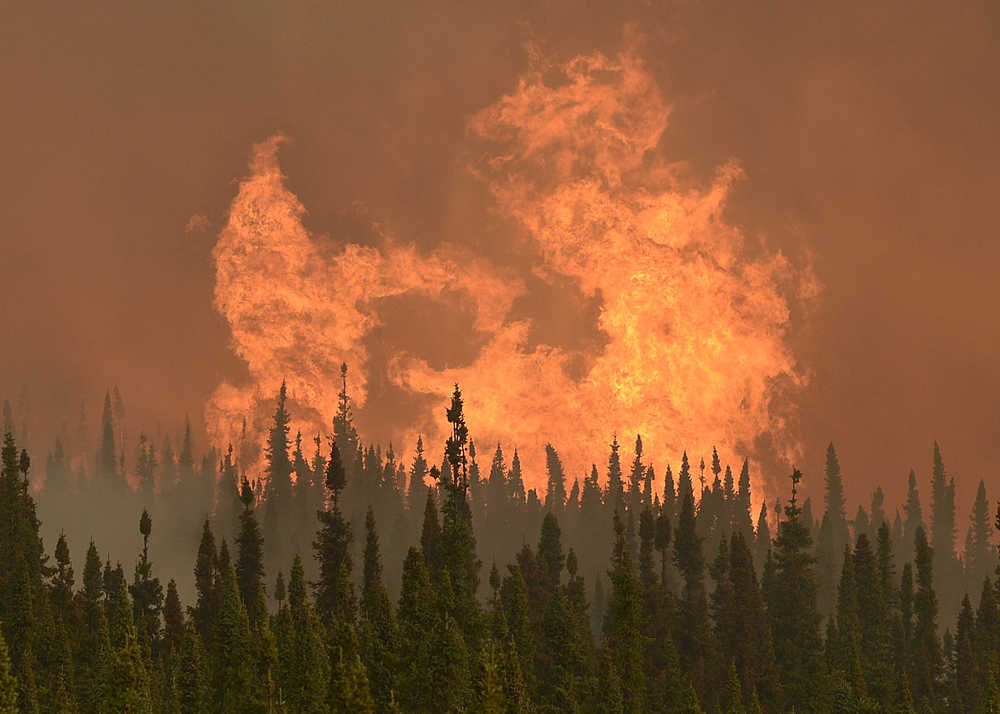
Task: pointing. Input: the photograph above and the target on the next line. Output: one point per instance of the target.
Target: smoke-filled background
(760, 225)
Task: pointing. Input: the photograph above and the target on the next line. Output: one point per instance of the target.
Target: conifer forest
(525, 357)
(345, 580)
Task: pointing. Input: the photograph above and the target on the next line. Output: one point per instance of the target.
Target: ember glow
(694, 315)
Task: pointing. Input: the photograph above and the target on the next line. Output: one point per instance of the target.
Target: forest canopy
(342, 579)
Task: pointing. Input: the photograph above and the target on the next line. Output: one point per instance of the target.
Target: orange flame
(695, 325)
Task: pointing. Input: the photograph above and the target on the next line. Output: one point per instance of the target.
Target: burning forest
(548, 358)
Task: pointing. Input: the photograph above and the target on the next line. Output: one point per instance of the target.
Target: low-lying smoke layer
(693, 317)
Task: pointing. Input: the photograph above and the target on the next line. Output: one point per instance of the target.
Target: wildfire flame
(694, 322)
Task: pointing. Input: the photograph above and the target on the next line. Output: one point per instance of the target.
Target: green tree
(333, 590)
(833, 535)
(693, 628)
(250, 556)
(378, 626)
(623, 624)
(127, 684)
(946, 566)
(458, 542)
(231, 667)
(107, 454)
(791, 601)
(207, 577)
(304, 665)
(614, 497)
(278, 492)
(968, 675)
(192, 679)
(981, 558)
(147, 593)
(8, 682)
(927, 664)
(913, 520)
(555, 491)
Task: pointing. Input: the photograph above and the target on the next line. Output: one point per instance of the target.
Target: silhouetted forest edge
(347, 581)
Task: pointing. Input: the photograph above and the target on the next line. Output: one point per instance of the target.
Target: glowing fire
(694, 325)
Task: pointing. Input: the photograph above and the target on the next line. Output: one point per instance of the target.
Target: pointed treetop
(455, 446)
(246, 493)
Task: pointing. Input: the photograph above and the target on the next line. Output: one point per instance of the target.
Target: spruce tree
(418, 622)
(635, 477)
(127, 684)
(107, 454)
(250, 555)
(927, 663)
(833, 535)
(693, 629)
(232, 684)
(762, 538)
(555, 492)
(147, 593)
(946, 567)
(95, 649)
(792, 608)
(914, 519)
(614, 497)
(278, 471)
(192, 679)
(8, 682)
(981, 558)
(207, 577)
(458, 542)
(968, 676)
(304, 666)
(623, 624)
(334, 593)
(378, 625)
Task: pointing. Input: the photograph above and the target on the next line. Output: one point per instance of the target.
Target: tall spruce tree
(555, 492)
(335, 601)
(250, 556)
(834, 535)
(615, 492)
(913, 519)
(946, 566)
(378, 625)
(278, 472)
(981, 558)
(623, 625)
(791, 601)
(693, 629)
(927, 664)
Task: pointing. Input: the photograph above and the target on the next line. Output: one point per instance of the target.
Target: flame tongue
(694, 327)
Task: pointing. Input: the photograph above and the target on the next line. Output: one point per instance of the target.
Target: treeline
(623, 598)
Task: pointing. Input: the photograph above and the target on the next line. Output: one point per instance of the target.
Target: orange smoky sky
(758, 225)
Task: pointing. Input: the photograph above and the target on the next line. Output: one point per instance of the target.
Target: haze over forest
(507, 358)
(865, 137)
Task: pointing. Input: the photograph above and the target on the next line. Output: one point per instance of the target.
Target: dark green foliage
(303, 673)
(791, 602)
(249, 556)
(231, 667)
(693, 627)
(927, 664)
(623, 625)
(555, 492)
(192, 678)
(335, 599)
(654, 636)
(378, 632)
(8, 683)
